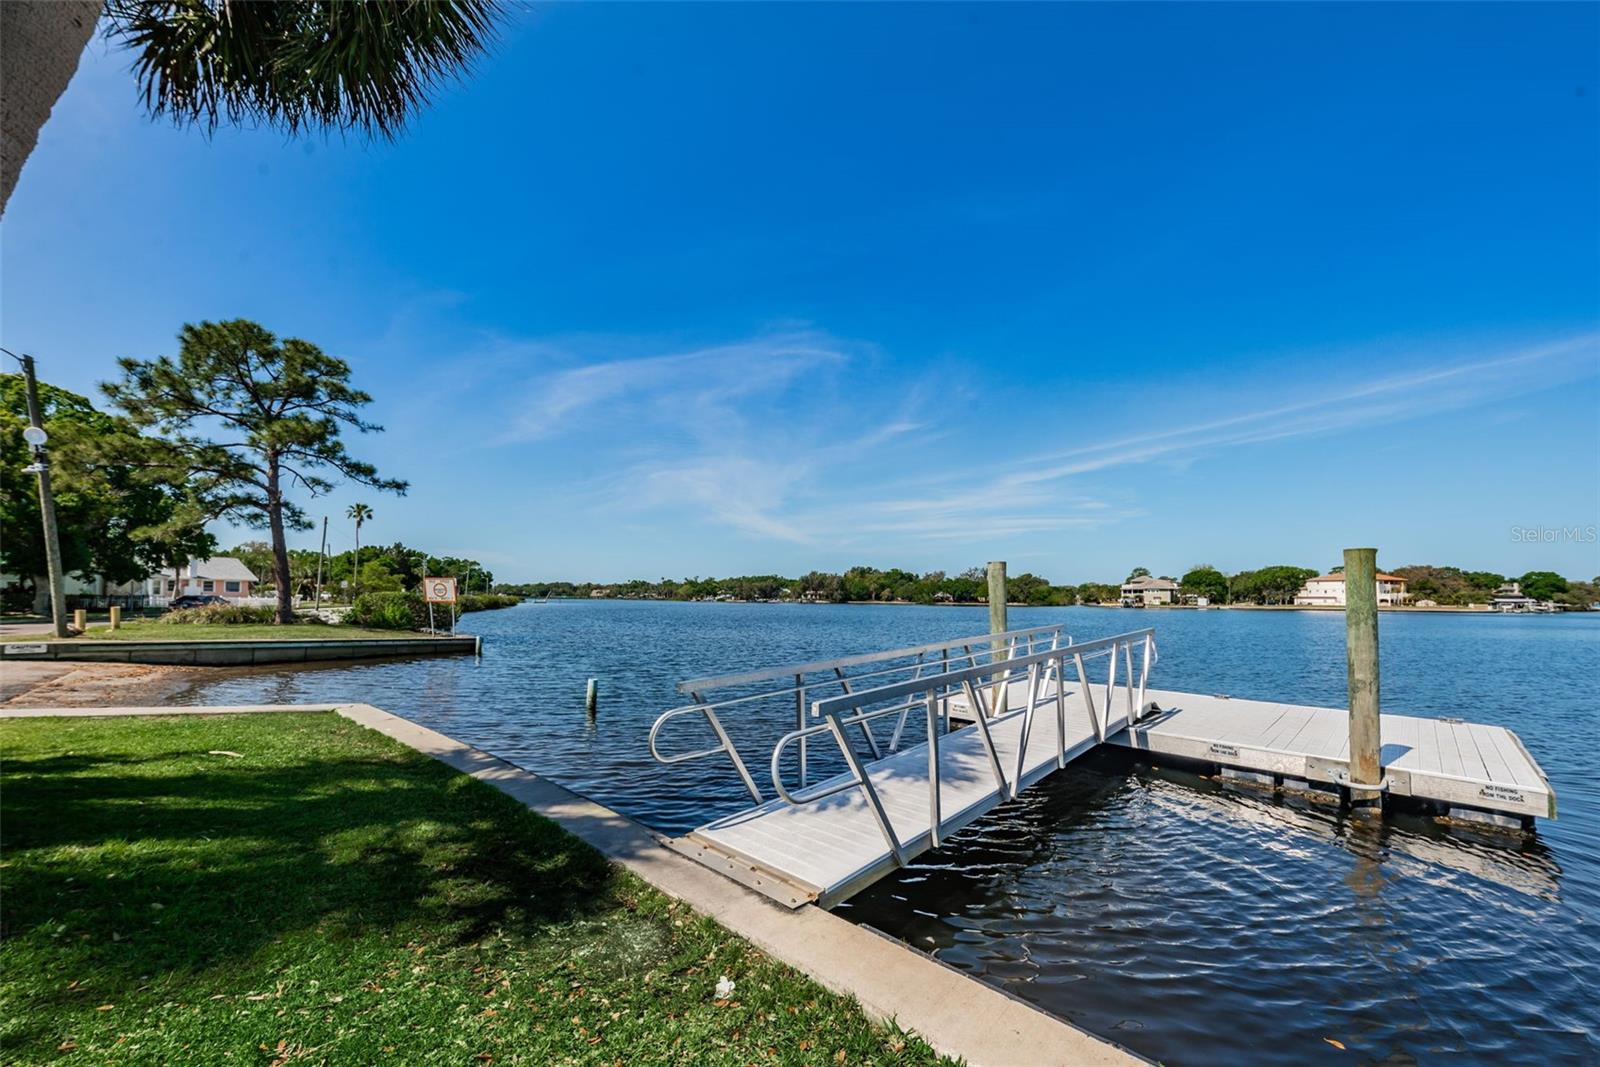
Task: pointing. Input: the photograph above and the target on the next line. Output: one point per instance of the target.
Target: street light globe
(35, 436)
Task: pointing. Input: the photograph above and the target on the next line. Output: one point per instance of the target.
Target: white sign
(439, 590)
(25, 650)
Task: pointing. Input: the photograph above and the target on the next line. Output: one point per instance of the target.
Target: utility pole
(322, 554)
(36, 436)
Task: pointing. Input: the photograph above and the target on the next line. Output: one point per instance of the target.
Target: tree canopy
(1205, 581)
(119, 519)
(279, 407)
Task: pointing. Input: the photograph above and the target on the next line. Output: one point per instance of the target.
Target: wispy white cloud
(1384, 400)
(793, 437)
(700, 384)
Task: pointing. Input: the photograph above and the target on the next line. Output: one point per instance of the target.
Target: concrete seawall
(235, 653)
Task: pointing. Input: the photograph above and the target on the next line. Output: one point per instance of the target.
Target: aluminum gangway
(894, 798)
(1031, 701)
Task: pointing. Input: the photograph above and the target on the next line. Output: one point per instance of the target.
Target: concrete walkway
(955, 1013)
(9, 630)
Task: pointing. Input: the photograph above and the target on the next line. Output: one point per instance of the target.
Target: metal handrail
(973, 650)
(1041, 667)
(825, 727)
(722, 681)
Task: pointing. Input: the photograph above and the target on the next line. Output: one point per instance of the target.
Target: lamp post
(36, 437)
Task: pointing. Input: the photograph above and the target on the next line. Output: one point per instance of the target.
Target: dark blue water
(1194, 924)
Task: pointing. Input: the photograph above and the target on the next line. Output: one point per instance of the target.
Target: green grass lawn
(293, 888)
(152, 630)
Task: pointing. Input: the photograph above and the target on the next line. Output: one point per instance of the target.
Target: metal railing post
(800, 722)
(1127, 662)
(935, 813)
(1061, 711)
(982, 722)
(1088, 699)
(873, 800)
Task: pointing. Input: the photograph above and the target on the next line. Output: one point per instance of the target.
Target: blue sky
(676, 289)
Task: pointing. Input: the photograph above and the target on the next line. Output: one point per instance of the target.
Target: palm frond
(362, 65)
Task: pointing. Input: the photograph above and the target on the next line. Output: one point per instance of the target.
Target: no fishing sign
(439, 590)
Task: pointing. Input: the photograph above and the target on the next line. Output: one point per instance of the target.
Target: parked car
(196, 600)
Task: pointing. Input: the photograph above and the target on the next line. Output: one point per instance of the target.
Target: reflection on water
(1191, 922)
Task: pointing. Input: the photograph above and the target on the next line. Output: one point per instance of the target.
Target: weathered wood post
(997, 625)
(80, 620)
(116, 617)
(1361, 652)
(591, 698)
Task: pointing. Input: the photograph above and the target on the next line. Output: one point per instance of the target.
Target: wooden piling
(591, 697)
(997, 625)
(80, 620)
(116, 617)
(1361, 654)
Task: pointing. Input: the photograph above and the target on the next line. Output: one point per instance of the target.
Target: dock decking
(830, 839)
(1444, 760)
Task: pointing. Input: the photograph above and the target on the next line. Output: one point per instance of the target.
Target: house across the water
(218, 576)
(1511, 599)
(1146, 591)
(1327, 591)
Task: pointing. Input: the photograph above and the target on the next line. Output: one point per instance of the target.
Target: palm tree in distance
(348, 65)
(360, 513)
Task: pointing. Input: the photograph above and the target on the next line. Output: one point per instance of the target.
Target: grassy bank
(278, 889)
(160, 631)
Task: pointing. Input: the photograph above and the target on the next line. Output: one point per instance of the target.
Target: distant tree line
(1273, 585)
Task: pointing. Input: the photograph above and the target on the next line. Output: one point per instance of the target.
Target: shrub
(389, 611)
(221, 614)
(487, 601)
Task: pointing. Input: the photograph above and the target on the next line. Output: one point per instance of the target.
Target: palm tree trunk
(355, 572)
(40, 45)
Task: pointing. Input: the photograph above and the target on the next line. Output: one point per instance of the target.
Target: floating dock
(1465, 766)
(1032, 706)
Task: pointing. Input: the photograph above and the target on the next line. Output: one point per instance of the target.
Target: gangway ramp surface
(827, 850)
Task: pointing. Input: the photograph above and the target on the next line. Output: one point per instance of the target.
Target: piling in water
(1361, 652)
(997, 625)
(591, 697)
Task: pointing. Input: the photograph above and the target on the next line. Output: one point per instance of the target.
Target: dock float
(1032, 701)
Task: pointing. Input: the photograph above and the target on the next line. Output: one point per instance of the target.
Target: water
(1193, 924)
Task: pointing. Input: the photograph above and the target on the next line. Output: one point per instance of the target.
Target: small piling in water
(1361, 655)
(591, 698)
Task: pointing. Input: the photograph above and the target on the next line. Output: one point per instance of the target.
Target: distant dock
(1031, 701)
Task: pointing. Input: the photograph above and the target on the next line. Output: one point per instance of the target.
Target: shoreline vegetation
(1447, 588)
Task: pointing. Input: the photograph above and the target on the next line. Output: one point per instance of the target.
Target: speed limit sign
(439, 590)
